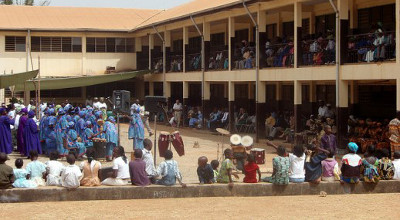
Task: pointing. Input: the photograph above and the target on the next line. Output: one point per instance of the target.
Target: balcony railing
(219, 60)
(157, 65)
(318, 52)
(176, 64)
(194, 62)
(244, 58)
(279, 55)
(372, 47)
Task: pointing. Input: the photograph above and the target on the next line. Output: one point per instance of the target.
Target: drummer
(111, 136)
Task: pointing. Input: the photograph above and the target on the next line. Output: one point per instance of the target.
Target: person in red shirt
(250, 170)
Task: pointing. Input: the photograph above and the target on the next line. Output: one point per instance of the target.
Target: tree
(25, 2)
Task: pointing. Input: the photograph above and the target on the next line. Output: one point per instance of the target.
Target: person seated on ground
(36, 169)
(137, 170)
(330, 168)
(169, 171)
(22, 176)
(53, 170)
(71, 176)
(269, 124)
(195, 119)
(351, 165)
(288, 133)
(215, 165)
(225, 172)
(148, 159)
(385, 166)
(6, 173)
(396, 165)
(90, 170)
(328, 140)
(204, 171)
(313, 165)
(369, 168)
(280, 173)
(120, 174)
(250, 170)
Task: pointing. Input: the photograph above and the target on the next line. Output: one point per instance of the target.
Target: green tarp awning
(73, 82)
(8, 80)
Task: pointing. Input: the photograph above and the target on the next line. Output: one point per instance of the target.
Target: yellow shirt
(270, 121)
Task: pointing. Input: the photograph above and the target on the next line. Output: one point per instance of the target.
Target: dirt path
(367, 206)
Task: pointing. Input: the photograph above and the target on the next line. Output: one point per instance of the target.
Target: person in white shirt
(54, 169)
(296, 168)
(396, 165)
(96, 103)
(147, 157)
(71, 176)
(322, 109)
(177, 112)
(120, 175)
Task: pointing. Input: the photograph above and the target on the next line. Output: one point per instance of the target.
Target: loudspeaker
(154, 103)
(121, 99)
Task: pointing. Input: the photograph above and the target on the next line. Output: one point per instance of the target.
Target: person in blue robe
(31, 135)
(111, 136)
(5, 132)
(136, 130)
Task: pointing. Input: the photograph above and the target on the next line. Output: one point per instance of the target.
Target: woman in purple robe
(20, 131)
(31, 135)
(5, 132)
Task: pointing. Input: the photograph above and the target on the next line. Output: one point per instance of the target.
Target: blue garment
(109, 149)
(31, 137)
(86, 137)
(51, 141)
(61, 129)
(36, 169)
(43, 131)
(72, 142)
(80, 127)
(170, 178)
(21, 181)
(136, 131)
(5, 134)
(111, 134)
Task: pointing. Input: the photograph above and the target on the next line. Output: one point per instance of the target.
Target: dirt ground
(207, 140)
(291, 207)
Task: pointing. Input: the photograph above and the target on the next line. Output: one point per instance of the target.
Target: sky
(149, 4)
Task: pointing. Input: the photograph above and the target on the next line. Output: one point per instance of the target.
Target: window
(324, 23)
(177, 46)
(218, 40)
(56, 44)
(110, 45)
(288, 29)
(15, 44)
(368, 18)
(271, 31)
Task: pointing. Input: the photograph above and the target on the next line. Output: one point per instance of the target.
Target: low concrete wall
(46, 194)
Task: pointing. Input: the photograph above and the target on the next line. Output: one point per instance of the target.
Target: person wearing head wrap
(20, 132)
(43, 130)
(136, 130)
(351, 165)
(5, 132)
(61, 130)
(72, 142)
(111, 136)
(51, 137)
(80, 124)
(31, 135)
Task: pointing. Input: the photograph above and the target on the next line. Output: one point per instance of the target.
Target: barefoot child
(21, 175)
(250, 170)
(225, 173)
(204, 171)
(36, 169)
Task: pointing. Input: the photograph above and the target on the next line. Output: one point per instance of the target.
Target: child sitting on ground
(71, 175)
(330, 168)
(204, 171)
(36, 169)
(169, 171)
(280, 173)
(225, 172)
(385, 166)
(215, 165)
(250, 170)
(369, 166)
(22, 176)
(53, 170)
(6, 173)
(396, 165)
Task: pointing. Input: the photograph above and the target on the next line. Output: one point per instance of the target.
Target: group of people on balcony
(244, 56)
(220, 62)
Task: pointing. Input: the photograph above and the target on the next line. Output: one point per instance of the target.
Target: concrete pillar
(151, 88)
(231, 35)
(27, 96)
(2, 96)
(138, 44)
(206, 101)
(343, 7)
(231, 100)
(167, 91)
(207, 42)
(297, 105)
(298, 18)
(261, 108)
(279, 26)
(83, 67)
(278, 97)
(397, 32)
(167, 39)
(353, 15)
(353, 97)
(313, 97)
(185, 94)
(262, 29)
(185, 47)
(151, 47)
(342, 112)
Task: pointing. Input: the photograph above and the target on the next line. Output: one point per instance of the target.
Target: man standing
(177, 112)
(394, 131)
(328, 141)
(322, 109)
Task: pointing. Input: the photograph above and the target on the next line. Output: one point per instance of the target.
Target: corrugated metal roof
(71, 18)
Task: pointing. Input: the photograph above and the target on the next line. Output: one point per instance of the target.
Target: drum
(99, 149)
(235, 139)
(259, 155)
(163, 143)
(177, 142)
